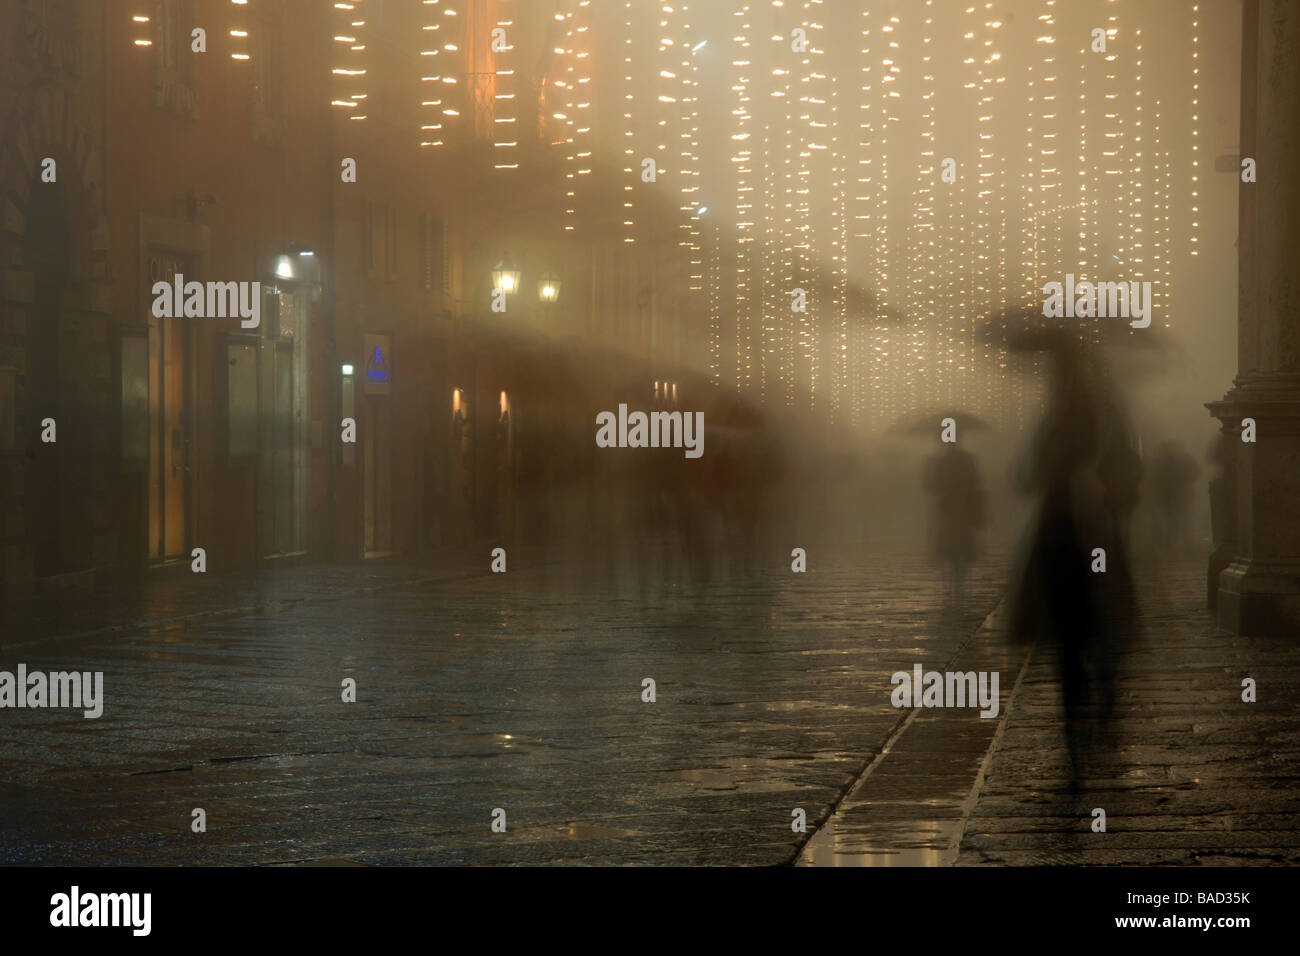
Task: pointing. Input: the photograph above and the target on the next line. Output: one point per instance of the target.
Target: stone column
(1259, 589)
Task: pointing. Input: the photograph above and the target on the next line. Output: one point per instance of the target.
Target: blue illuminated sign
(377, 368)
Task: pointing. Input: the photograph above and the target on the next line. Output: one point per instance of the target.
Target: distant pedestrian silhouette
(952, 478)
(1172, 475)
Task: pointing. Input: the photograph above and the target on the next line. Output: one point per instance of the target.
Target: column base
(1259, 590)
(1220, 558)
(1260, 600)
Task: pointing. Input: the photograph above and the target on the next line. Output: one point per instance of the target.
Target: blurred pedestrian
(1076, 591)
(952, 478)
(1173, 473)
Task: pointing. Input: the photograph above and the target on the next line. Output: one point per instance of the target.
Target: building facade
(375, 178)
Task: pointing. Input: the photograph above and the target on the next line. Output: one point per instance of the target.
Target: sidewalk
(1199, 776)
(910, 804)
(1196, 775)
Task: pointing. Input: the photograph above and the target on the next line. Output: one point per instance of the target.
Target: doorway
(283, 460)
(377, 444)
(170, 411)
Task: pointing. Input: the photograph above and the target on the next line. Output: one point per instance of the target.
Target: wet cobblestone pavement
(523, 692)
(1193, 775)
(1197, 776)
(474, 692)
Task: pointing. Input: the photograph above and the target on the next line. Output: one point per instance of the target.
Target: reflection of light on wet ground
(794, 705)
(549, 834)
(914, 843)
(578, 831)
(748, 775)
(330, 862)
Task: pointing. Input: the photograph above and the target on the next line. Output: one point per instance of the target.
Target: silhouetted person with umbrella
(1082, 465)
(952, 478)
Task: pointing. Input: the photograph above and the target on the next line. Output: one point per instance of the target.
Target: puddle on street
(915, 843)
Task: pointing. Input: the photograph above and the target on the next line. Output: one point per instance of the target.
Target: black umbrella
(1026, 329)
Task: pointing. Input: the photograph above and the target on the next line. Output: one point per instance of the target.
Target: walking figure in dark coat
(1171, 478)
(1076, 589)
(952, 478)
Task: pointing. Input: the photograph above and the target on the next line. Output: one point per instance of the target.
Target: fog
(824, 171)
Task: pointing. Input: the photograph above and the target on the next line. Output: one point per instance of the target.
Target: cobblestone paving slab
(520, 691)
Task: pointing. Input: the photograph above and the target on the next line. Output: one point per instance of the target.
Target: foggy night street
(648, 436)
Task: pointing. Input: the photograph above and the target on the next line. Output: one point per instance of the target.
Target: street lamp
(298, 265)
(505, 276)
(548, 289)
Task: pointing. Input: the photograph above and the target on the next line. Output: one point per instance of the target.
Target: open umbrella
(1026, 329)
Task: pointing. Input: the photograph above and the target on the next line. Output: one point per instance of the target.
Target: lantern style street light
(505, 276)
(548, 289)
